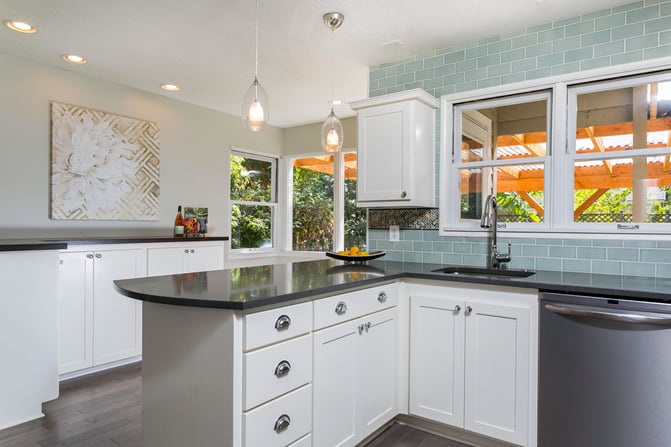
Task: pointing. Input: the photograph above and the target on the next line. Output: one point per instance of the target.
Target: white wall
(306, 139)
(192, 141)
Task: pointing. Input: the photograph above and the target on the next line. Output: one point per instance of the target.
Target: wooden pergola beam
(587, 203)
(532, 203)
(598, 146)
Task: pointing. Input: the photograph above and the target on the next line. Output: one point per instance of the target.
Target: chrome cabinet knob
(367, 326)
(99, 255)
(186, 250)
(192, 251)
(469, 309)
(282, 368)
(382, 296)
(403, 195)
(89, 256)
(282, 423)
(283, 322)
(341, 308)
(457, 308)
(361, 327)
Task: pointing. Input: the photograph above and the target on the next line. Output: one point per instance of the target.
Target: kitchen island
(229, 355)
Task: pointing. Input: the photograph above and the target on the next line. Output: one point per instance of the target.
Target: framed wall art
(103, 166)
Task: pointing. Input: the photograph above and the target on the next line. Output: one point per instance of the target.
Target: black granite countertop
(63, 243)
(252, 287)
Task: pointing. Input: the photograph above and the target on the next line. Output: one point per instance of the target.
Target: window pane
(615, 119)
(621, 119)
(313, 203)
(355, 218)
(251, 179)
(623, 190)
(520, 192)
(515, 131)
(251, 226)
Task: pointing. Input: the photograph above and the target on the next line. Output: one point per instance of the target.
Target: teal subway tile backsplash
(622, 254)
(624, 34)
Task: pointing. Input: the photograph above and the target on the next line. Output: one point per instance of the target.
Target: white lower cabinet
(97, 325)
(355, 368)
(183, 257)
(277, 377)
(473, 359)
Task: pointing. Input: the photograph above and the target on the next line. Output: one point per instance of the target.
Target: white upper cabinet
(396, 150)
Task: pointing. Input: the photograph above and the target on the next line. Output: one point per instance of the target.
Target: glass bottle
(179, 223)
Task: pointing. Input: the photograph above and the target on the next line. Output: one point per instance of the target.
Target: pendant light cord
(256, 45)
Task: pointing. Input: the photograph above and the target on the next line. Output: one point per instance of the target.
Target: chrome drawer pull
(469, 309)
(282, 368)
(361, 327)
(367, 326)
(282, 322)
(457, 309)
(341, 308)
(282, 423)
(382, 297)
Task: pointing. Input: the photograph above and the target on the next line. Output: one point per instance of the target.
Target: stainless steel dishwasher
(604, 372)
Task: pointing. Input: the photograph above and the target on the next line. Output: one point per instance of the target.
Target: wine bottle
(179, 223)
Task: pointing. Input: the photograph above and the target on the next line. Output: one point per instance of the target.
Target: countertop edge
(64, 243)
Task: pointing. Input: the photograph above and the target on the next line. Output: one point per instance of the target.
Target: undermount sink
(464, 270)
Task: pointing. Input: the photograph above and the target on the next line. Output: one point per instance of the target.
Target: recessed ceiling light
(20, 26)
(170, 87)
(75, 59)
(336, 102)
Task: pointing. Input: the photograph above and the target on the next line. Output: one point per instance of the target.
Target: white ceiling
(207, 46)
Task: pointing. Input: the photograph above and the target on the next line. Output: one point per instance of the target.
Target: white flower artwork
(103, 166)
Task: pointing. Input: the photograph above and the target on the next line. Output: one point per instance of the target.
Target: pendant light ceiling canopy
(255, 109)
(332, 134)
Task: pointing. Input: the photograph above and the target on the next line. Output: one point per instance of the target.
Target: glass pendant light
(255, 110)
(332, 132)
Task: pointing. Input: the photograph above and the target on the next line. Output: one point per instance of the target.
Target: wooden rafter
(587, 203)
(520, 139)
(532, 203)
(598, 146)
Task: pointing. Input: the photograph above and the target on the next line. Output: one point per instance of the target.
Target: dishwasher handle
(576, 311)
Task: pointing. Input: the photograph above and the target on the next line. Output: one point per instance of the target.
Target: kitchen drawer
(275, 325)
(276, 369)
(303, 442)
(339, 308)
(263, 425)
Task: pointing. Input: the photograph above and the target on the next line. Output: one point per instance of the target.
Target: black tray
(348, 258)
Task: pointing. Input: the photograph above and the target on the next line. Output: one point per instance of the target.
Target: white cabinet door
(75, 312)
(383, 139)
(334, 386)
(377, 372)
(165, 261)
(184, 258)
(354, 379)
(116, 319)
(497, 371)
(437, 359)
(205, 257)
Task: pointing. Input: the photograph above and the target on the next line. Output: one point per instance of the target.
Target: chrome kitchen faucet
(489, 220)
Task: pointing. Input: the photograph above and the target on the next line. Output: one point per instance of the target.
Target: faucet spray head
(486, 221)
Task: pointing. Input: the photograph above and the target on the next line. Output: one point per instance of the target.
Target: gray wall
(193, 143)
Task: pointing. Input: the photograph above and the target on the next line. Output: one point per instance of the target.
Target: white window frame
(338, 199)
(573, 91)
(558, 198)
(450, 149)
(274, 204)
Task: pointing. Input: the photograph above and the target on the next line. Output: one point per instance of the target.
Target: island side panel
(191, 376)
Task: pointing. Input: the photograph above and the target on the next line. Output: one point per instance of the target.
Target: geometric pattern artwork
(103, 166)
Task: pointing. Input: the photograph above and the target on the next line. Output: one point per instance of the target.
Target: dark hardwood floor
(104, 410)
